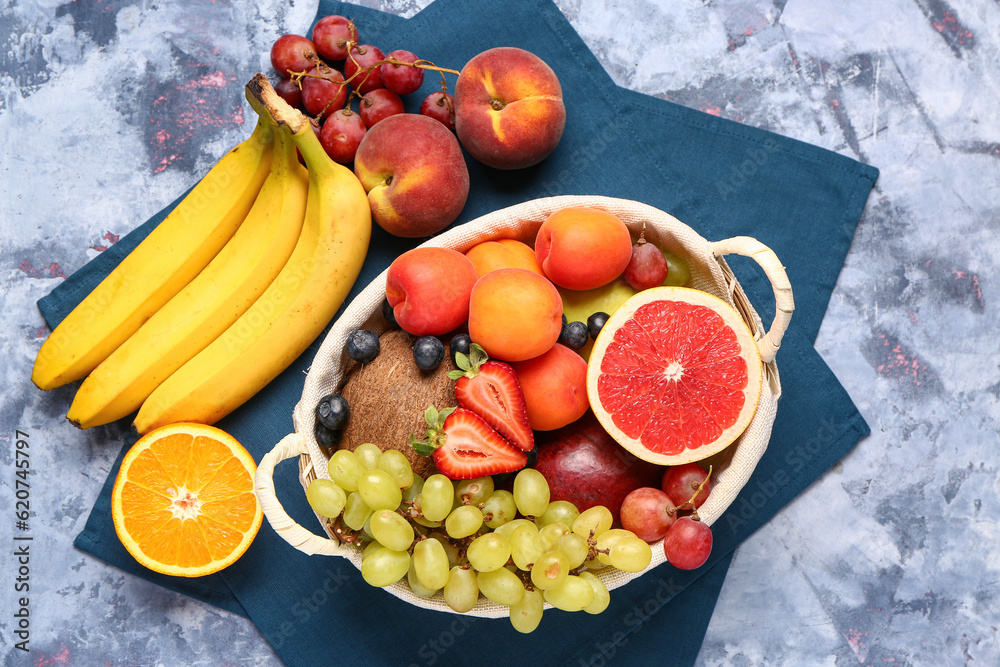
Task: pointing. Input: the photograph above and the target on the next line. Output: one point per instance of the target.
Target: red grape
(680, 483)
(293, 53)
(378, 104)
(341, 135)
(290, 92)
(325, 93)
(647, 268)
(331, 34)
(361, 57)
(440, 106)
(644, 512)
(688, 543)
(402, 79)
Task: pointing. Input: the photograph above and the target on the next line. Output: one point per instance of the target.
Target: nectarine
(415, 175)
(509, 110)
(428, 290)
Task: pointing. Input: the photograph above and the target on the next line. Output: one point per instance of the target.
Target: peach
(509, 111)
(428, 290)
(555, 387)
(502, 254)
(583, 248)
(515, 314)
(415, 175)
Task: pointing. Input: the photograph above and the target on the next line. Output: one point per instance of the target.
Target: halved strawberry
(464, 446)
(491, 390)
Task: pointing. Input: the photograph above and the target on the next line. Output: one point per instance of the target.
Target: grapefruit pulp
(675, 375)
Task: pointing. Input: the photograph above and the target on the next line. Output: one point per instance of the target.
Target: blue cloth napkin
(721, 178)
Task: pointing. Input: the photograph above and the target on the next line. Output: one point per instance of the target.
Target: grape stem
(689, 503)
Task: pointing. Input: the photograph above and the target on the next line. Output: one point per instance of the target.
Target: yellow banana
(211, 302)
(159, 267)
(294, 309)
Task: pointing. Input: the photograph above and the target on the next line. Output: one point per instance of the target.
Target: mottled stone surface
(109, 109)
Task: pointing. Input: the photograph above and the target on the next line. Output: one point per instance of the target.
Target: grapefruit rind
(241, 459)
(748, 351)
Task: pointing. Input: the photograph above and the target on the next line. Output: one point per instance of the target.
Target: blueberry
(389, 314)
(596, 322)
(565, 321)
(459, 343)
(363, 345)
(532, 457)
(428, 352)
(332, 411)
(574, 335)
(325, 437)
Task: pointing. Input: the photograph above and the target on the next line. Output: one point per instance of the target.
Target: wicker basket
(709, 272)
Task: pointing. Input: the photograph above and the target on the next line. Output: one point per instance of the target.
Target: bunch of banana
(267, 294)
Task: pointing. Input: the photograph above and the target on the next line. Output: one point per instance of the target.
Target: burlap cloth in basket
(709, 272)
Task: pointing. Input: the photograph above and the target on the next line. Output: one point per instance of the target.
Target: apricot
(554, 386)
(583, 248)
(503, 254)
(515, 314)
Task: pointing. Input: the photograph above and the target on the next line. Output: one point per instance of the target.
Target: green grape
(412, 492)
(602, 598)
(437, 497)
(396, 464)
(488, 552)
(499, 508)
(558, 511)
(326, 498)
(379, 490)
(368, 453)
(526, 545)
(573, 594)
(527, 614)
(608, 539)
(384, 567)
(508, 528)
(473, 491)
(356, 512)
(597, 519)
(345, 467)
(391, 529)
(630, 554)
(415, 586)
(550, 570)
(531, 492)
(431, 563)
(551, 533)
(463, 521)
(502, 586)
(372, 547)
(575, 548)
(462, 590)
(678, 272)
(454, 555)
(429, 524)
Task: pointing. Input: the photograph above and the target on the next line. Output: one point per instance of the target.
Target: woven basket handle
(306, 541)
(773, 269)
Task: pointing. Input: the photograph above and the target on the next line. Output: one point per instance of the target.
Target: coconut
(388, 398)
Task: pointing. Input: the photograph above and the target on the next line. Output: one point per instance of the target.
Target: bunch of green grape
(463, 539)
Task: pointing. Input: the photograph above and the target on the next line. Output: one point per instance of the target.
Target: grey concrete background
(111, 108)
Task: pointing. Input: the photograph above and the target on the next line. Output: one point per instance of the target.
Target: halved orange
(183, 502)
(675, 375)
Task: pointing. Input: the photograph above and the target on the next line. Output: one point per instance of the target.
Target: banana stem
(271, 107)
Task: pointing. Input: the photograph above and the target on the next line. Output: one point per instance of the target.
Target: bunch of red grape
(323, 76)
(654, 514)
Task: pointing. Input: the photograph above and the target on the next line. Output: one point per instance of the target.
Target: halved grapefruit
(675, 375)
